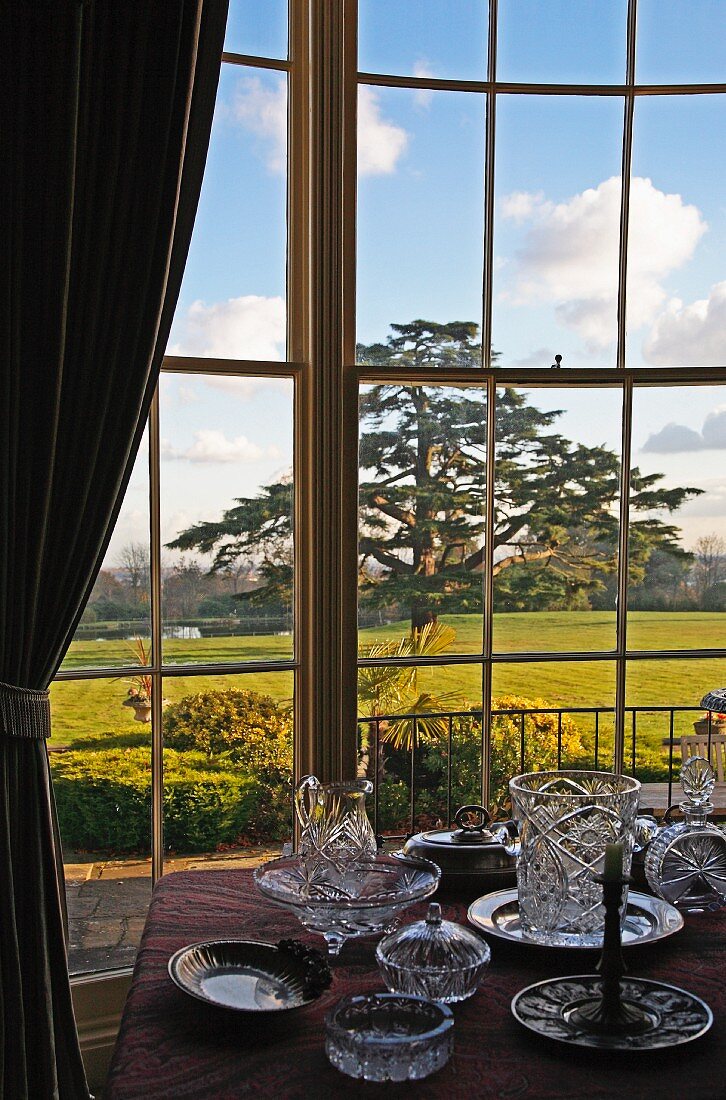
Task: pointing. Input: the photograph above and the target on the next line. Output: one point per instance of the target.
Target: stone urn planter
(142, 708)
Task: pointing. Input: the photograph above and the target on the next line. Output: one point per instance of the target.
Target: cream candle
(613, 867)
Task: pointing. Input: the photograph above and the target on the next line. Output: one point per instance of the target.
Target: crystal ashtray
(367, 898)
(389, 1037)
(433, 958)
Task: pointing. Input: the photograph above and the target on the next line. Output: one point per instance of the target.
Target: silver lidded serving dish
(249, 976)
(472, 856)
(364, 899)
(389, 1037)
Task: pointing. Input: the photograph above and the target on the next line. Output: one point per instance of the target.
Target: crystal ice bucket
(564, 820)
(335, 826)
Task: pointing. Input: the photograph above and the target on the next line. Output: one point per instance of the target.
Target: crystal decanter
(686, 861)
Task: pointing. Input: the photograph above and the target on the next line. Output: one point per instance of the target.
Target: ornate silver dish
(249, 976)
(367, 898)
(646, 919)
(675, 1015)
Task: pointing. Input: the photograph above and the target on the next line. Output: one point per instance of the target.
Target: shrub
(246, 727)
(430, 764)
(104, 801)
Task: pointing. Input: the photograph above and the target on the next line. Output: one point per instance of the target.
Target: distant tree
(112, 600)
(134, 565)
(709, 564)
(422, 496)
(663, 585)
(184, 589)
(256, 530)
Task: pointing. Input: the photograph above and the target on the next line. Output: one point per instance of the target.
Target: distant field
(92, 708)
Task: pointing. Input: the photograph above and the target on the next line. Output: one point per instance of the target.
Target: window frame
(322, 94)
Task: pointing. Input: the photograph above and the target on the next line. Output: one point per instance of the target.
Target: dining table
(171, 1045)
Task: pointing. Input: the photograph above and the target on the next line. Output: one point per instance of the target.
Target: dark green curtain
(106, 111)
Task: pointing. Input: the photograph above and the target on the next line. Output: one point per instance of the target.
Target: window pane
(423, 38)
(413, 722)
(118, 610)
(677, 595)
(255, 28)
(662, 700)
(556, 229)
(681, 42)
(556, 519)
(562, 41)
(421, 518)
(100, 759)
(548, 715)
(232, 301)
(228, 744)
(420, 209)
(677, 239)
(226, 518)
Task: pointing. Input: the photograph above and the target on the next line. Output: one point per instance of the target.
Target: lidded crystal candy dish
(433, 958)
(686, 861)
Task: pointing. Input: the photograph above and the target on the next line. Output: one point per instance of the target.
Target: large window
(441, 417)
(540, 350)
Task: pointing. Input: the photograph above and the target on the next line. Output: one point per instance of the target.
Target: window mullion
(157, 761)
(621, 624)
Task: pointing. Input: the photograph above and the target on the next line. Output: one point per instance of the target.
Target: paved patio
(108, 899)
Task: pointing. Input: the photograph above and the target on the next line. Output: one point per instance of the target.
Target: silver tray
(646, 919)
(244, 975)
(676, 1016)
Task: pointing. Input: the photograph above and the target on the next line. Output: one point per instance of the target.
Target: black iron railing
(520, 738)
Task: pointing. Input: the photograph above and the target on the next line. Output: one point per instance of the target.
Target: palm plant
(391, 689)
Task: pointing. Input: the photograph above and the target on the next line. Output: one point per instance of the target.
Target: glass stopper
(697, 780)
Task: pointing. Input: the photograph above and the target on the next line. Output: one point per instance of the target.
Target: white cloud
(188, 395)
(569, 255)
(714, 429)
(243, 388)
(678, 438)
(518, 206)
(211, 445)
(380, 143)
(262, 110)
(542, 357)
(673, 439)
(690, 335)
(423, 97)
(249, 327)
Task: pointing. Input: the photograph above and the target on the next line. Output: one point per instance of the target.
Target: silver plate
(241, 974)
(646, 919)
(676, 1015)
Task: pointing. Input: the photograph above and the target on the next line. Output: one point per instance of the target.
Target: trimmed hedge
(104, 801)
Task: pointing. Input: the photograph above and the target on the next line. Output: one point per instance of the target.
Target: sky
(420, 232)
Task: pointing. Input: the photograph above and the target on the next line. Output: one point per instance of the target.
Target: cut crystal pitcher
(335, 825)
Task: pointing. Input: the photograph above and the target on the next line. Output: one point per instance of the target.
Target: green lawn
(92, 708)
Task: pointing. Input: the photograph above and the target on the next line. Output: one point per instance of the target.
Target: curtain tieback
(24, 712)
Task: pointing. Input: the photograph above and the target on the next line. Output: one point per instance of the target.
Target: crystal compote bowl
(366, 898)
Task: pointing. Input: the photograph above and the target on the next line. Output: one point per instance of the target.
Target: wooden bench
(654, 797)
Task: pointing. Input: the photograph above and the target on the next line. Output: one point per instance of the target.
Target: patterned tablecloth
(171, 1046)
